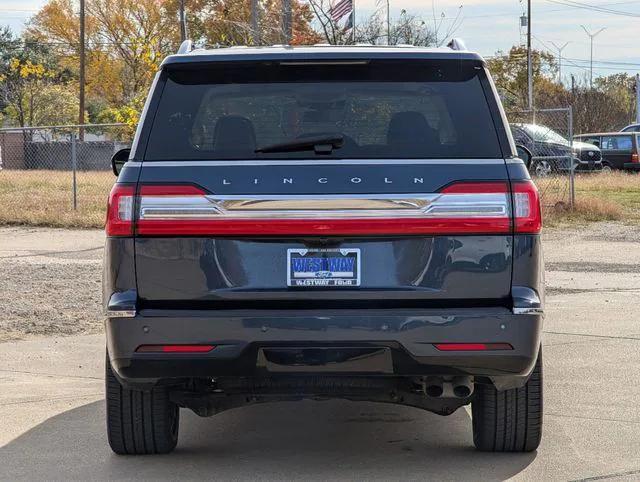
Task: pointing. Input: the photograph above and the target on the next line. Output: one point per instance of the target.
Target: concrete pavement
(52, 409)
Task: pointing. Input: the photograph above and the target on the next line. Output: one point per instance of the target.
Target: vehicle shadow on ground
(304, 440)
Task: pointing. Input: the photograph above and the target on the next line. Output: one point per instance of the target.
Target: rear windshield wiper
(318, 144)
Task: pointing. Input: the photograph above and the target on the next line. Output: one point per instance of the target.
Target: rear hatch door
(305, 184)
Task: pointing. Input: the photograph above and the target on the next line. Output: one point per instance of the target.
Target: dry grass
(611, 196)
(586, 209)
(45, 198)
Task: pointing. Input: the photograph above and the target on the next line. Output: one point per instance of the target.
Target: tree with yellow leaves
(128, 39)
(33, 90)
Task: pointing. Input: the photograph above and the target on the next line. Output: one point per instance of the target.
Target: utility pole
(638, 98)
(81, 75)
(183, 23)
(529, 60)
(388, 24)
(255, 22)
(560, 49)
(286, 21)
(591, 36)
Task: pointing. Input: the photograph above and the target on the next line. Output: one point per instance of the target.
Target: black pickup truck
(323, 222)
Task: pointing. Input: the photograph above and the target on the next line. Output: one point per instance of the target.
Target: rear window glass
(617, 143)
(418, 109)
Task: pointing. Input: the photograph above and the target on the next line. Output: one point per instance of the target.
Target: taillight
(460, 208)
(526, 208)
(174, 348)
(634, 157)
(120, 211)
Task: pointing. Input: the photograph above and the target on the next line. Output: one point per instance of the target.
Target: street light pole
(560, 49)
(591, 36)
(529, 60)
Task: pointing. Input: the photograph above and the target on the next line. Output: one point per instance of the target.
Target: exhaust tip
(434, 391)
(461, 391)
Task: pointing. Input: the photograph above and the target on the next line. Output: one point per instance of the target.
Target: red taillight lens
(174, 348)
(527, 213)
(472, 346)
(120, 211)
(634, 157)
(476, 188)
(460, 208)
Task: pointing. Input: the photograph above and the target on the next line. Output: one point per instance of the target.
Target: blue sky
(488, 26)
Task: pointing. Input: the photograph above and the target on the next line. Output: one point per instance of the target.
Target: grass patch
(45, 198)
(611, 196)
(585, 210)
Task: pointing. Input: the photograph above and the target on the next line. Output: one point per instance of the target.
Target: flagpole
(388, 25)
(353, 26)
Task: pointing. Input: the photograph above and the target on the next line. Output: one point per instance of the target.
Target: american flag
(340, 9)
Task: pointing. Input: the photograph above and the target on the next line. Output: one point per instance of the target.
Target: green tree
(33, 90)
(509, 72)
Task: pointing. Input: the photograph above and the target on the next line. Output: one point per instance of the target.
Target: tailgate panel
(441, 267)
(422, 266)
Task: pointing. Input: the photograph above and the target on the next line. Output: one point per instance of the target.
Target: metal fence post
(74, 167)
(572, 185)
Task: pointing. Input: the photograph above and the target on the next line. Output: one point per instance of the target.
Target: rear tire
(140, 422)
(509, 420)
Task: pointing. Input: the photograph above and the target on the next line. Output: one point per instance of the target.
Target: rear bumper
(632, 166)
(408, 336)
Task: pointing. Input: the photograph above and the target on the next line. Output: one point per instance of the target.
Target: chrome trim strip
(528, 311)
(121, 313)
(314, 162)
(477, 205)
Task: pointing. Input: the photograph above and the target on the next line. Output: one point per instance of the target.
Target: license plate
(323, 267)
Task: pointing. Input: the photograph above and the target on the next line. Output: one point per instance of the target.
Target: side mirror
(118, 160)
(524, 154)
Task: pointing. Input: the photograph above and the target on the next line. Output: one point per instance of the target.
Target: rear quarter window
(617, 143)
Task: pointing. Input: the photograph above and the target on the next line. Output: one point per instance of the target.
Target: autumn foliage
(126, 40)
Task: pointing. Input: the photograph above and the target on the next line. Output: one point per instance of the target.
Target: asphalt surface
(52, 408)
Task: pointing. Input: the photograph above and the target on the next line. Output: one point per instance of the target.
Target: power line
(595, 8)
(552, 10)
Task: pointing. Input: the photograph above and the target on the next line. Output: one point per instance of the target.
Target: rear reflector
(460, 208)
(174, 348)
(472, 346)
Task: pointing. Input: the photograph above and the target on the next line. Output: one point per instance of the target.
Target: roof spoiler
(457, 44)
(185, 47)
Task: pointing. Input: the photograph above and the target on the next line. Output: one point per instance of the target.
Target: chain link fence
(548, 134)
(59, 175)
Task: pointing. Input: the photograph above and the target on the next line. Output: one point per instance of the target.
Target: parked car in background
(631, 128)
(619, 150)
(552, 152)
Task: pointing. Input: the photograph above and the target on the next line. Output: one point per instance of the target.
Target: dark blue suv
(323, 222)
